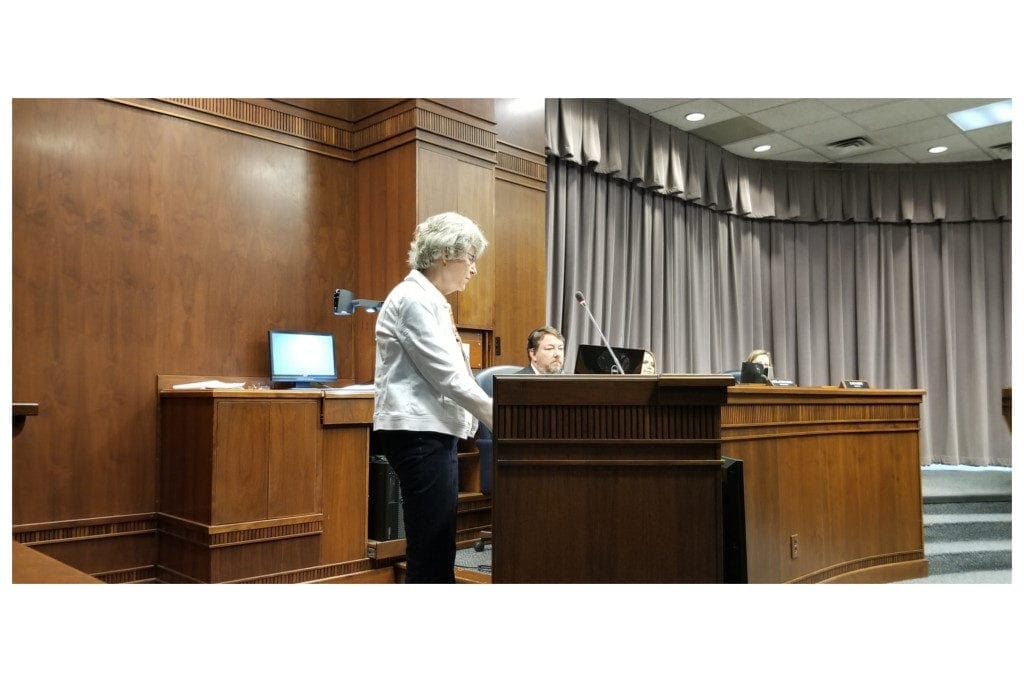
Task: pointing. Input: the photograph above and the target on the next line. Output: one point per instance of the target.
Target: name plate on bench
(853, 384)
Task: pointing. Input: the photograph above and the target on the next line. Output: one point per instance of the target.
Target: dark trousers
(428, 472)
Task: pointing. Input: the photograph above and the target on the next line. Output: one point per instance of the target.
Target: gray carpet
(968, 524)
(956, 483)
(468, 558)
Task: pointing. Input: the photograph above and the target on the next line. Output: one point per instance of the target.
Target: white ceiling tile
(714, 112)
(956, 143)
(954, 157)
(1006, 154)
(916, 131)
(793, 115)
(846, 106)
(882, 156)
(801, 154)
(648, 106)
(823, 132)
(841, 153)
(993, 135)
(900, 129)
(892, 114)
(750, 106)
(780, 143)
(948, 106)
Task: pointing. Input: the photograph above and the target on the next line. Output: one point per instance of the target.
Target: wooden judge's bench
(619, 479)
(597, 478)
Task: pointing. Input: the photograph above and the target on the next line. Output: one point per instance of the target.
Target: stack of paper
(351, 389)
(210, 384)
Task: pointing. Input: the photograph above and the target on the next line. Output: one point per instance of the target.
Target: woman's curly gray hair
(448, 234)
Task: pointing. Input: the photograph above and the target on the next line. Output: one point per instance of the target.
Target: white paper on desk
(351, 389)
(210, 384)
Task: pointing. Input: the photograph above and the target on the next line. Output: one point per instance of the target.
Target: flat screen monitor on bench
(304, 359)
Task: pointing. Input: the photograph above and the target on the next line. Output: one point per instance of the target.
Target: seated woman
(762, 358)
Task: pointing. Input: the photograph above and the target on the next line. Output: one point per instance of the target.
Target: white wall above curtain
(899, 303)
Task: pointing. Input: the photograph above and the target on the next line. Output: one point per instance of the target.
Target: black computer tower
(385, 522)
(734, 532)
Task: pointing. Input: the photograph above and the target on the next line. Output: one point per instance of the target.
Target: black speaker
(385, 522)
(734, 529)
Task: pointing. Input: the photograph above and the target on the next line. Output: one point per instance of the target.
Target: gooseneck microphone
(583, 303)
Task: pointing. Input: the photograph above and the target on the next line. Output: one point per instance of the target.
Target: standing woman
(426, 397)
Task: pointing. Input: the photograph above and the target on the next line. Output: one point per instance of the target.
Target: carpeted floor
(968, 524)
(952, 483)
(468, 558)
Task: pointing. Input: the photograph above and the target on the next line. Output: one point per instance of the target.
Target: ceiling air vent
(1005, 147)
(850, 143)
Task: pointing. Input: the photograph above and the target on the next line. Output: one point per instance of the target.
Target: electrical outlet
(794, 545)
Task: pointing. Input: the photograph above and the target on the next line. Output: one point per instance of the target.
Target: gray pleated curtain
(898, 275)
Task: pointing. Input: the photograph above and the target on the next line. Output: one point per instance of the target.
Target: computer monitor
(591, 359)
(304, 359)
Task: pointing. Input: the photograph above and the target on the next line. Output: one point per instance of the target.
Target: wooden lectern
(608, 479)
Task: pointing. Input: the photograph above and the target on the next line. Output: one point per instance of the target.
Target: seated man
(545, 347)
(650, 365)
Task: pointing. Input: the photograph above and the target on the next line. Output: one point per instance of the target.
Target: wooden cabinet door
(266, 460)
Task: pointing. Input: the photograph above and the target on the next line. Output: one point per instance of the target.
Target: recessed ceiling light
(938, 150)
(695, 116)
(981, 117)
(762, 148)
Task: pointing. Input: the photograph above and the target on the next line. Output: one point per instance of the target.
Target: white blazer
(422, 379)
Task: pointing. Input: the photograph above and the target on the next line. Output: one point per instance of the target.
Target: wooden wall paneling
(350, 110)
(386, 199)
(250, 560)
(146, 244)
(437, 183)
(448, 183)
(520, 262)
(192, 208)
(520, 215)
(113, 554)
(478, 108)
(181, 561)
(382, 575)
(475, 306)
(521, 123)
(477, 353)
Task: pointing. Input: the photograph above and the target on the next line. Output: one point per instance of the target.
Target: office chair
(484, 438)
